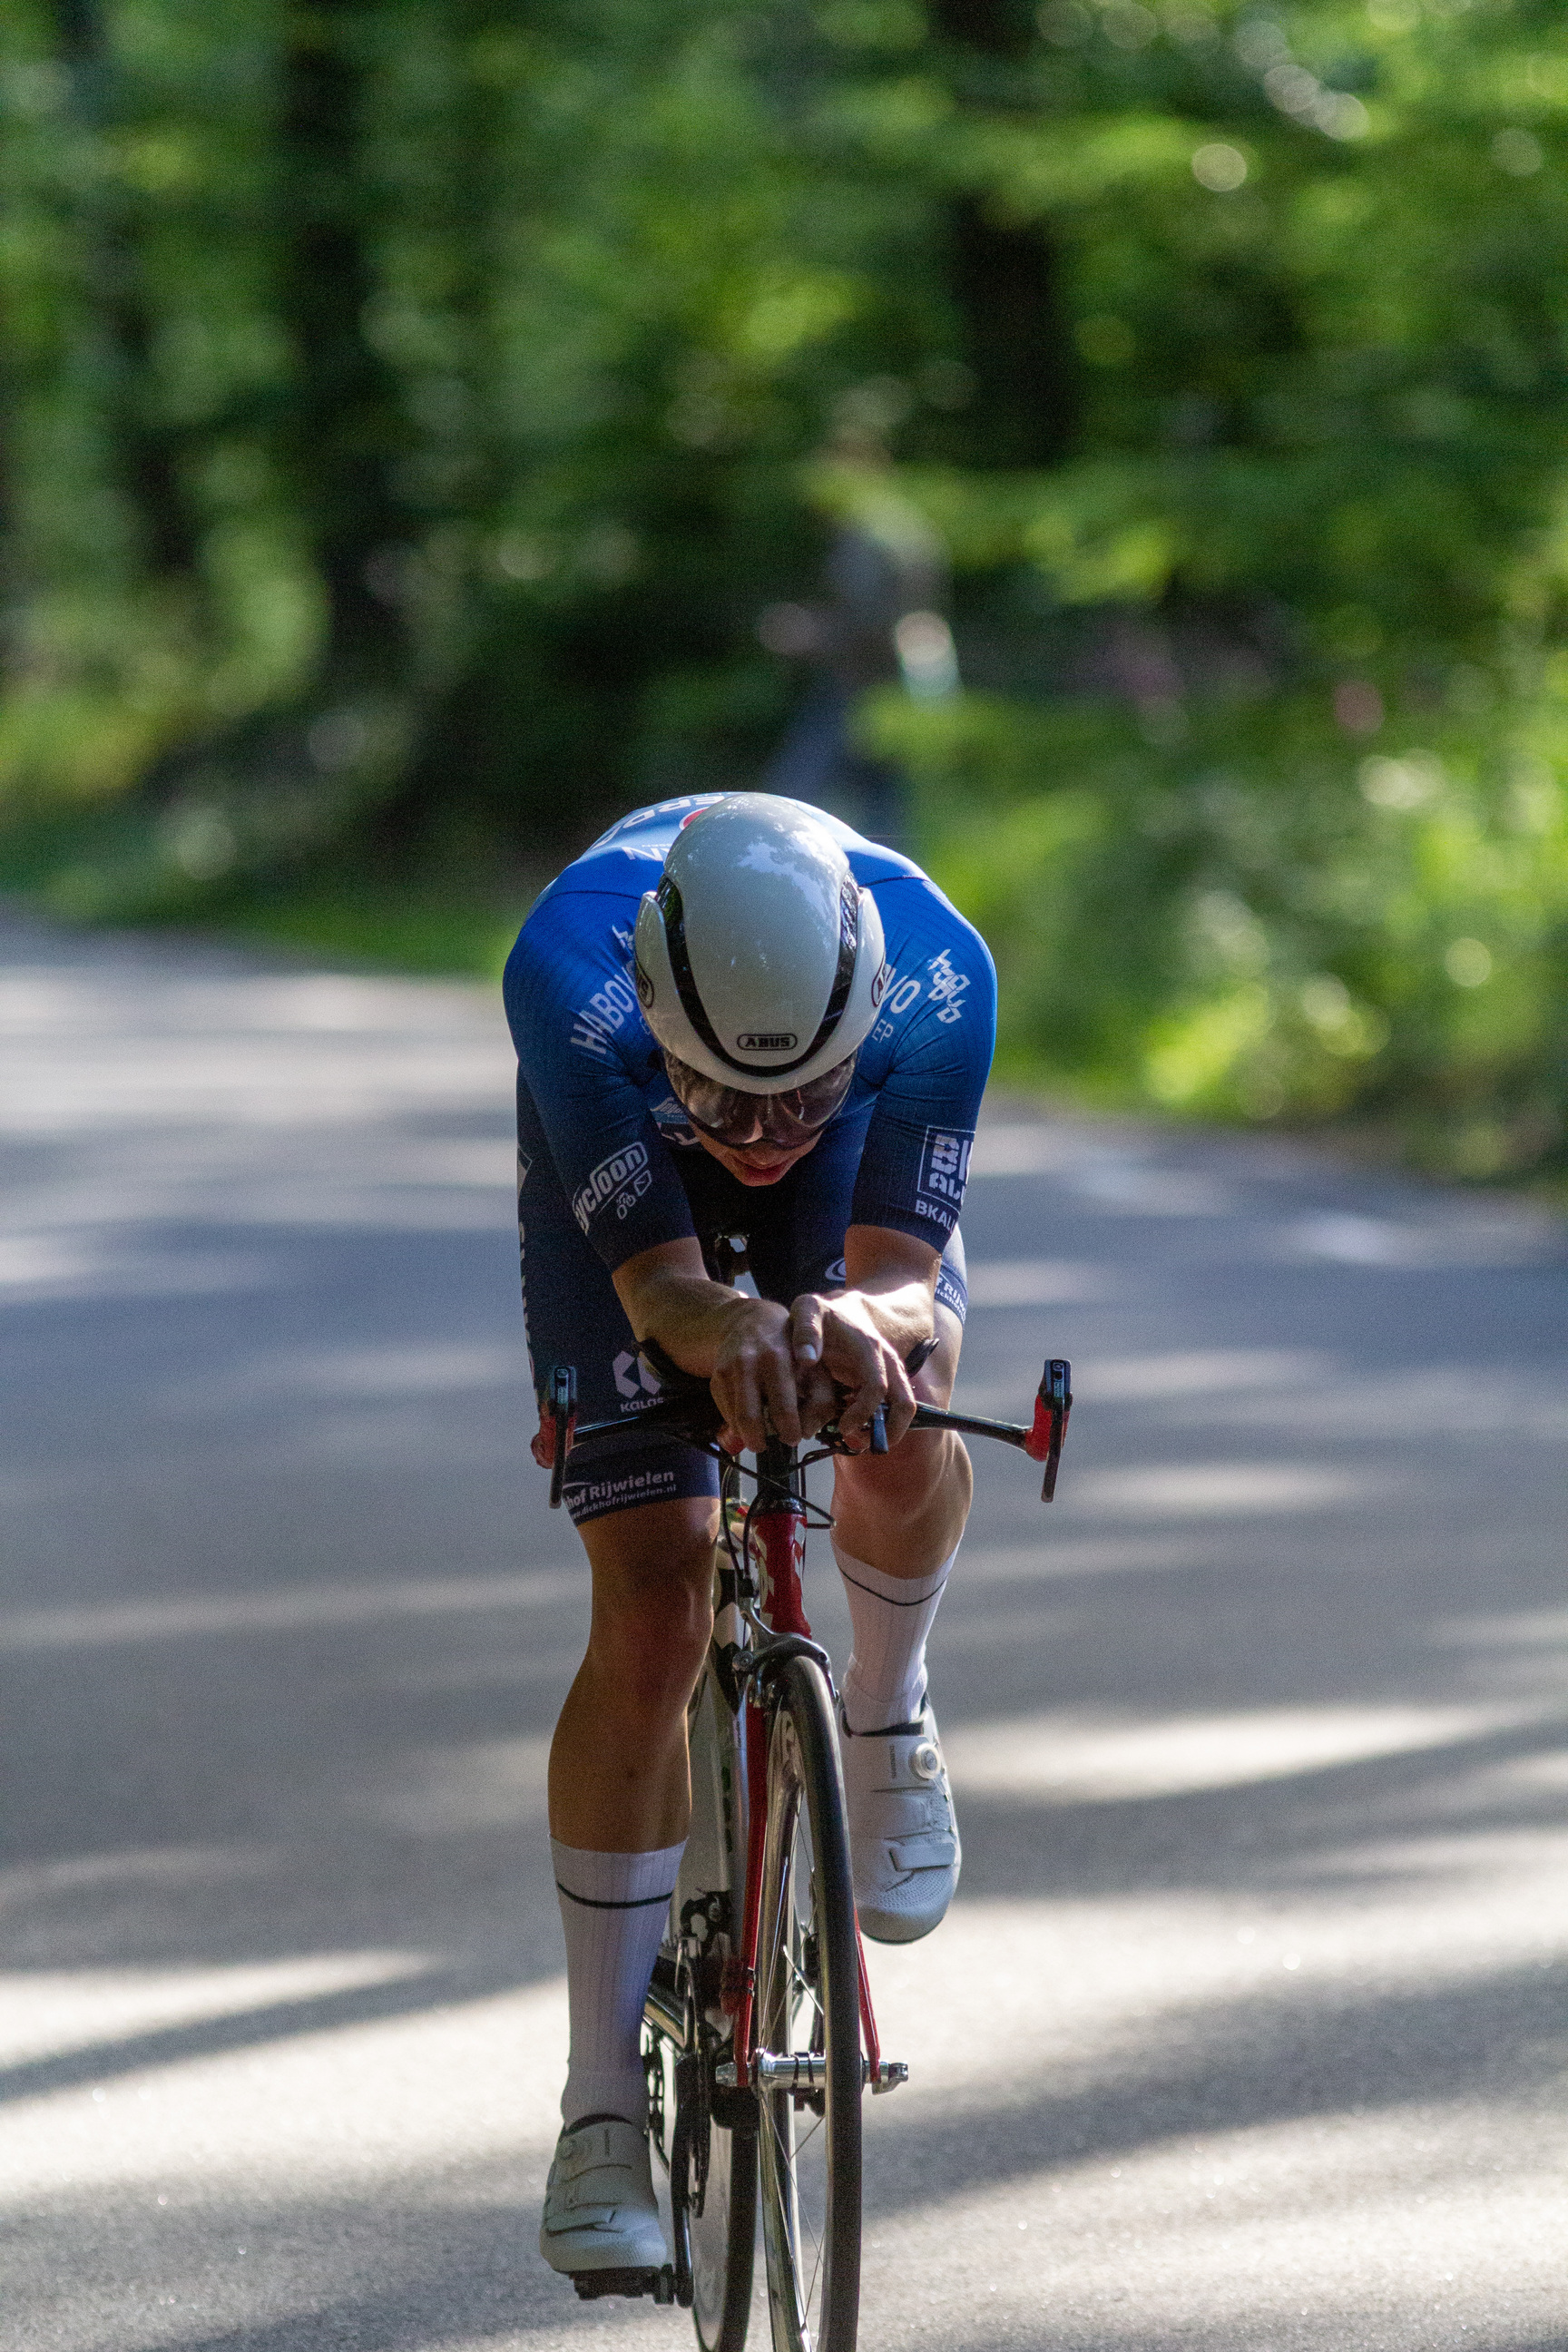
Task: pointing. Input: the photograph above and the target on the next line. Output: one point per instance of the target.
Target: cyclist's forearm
(903, 1312)
(895, 1276)
(671, 1301)
(741, 1345)
(690, 1321)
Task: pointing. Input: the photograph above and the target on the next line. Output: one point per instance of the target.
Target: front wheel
(808, 2029)
(721, 2210)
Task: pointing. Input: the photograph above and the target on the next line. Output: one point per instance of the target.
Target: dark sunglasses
(735, 1119)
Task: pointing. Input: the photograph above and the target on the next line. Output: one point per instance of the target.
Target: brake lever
(1053, 1404)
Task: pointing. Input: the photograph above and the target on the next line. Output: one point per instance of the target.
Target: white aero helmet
(759, 957)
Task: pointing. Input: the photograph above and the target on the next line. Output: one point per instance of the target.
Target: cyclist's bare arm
(757, 1353)
(739, 1344)
(862, 1335)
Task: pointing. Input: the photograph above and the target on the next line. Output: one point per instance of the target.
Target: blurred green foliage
(409, 405)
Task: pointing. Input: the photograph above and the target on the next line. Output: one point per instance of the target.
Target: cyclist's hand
(837, 1346)
(755, 1374)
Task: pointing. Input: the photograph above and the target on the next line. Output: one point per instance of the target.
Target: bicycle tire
(723, 2240)
(722, 2159)
(808, 2005)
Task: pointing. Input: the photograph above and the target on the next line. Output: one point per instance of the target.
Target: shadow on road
(259, 1341)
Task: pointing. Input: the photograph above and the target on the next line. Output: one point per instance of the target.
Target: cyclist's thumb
(805, 1330)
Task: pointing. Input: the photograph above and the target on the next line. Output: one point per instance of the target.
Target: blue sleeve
(939, 1031)
(582, 1048)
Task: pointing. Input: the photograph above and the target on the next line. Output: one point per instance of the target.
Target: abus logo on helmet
(880, 985)
(766, 1041)
(645, 985)
(628, 1168)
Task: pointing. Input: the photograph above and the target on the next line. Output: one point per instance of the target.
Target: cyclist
(733, 1016)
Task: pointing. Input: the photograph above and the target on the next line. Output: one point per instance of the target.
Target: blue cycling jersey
(626, 1154)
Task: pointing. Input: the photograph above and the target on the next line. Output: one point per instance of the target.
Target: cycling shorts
(795, 1238)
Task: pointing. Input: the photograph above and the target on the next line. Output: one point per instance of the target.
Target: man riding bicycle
(735, 1019)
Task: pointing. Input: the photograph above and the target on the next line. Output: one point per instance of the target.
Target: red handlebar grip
(1038, 1445)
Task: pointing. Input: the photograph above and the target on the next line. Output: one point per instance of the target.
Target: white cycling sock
(613, 1910)
(891, 1616)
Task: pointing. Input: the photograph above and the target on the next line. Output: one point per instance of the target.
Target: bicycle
(761, 2035)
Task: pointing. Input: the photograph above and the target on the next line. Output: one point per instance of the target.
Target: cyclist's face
(757, 1163)
(758, 1137)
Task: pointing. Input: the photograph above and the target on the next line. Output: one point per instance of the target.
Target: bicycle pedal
(660, 2283)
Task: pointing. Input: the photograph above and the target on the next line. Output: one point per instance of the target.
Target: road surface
(1250, 2027)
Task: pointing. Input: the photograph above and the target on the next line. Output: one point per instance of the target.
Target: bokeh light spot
(1518, 152)
(1469, 963)
(1219, 167)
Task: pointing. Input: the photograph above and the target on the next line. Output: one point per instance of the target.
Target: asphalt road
(1248, 2028)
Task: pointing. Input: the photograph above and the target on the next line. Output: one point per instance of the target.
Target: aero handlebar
(687, 1412)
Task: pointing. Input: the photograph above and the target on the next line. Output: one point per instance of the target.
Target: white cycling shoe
(902, 1835)
(600, 2212)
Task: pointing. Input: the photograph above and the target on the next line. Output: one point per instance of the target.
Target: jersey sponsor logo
(945, 1165)
(951, 1294)
(607, 1011)
(674, 1127)
(766, 1041)
(623, 1178)
(635, 1381)
(947, 986)
(943, 985)
(591, 1496)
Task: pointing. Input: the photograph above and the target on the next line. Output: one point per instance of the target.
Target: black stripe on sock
(920, 1603)
(642, 1903)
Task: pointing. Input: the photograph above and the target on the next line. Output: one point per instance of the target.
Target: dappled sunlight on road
(1081, 1759)
(1206, 1489)
(1247, 2026)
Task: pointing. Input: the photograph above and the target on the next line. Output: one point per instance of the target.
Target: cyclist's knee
(933, 1382)
(653, 1575)
(906, 1482)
